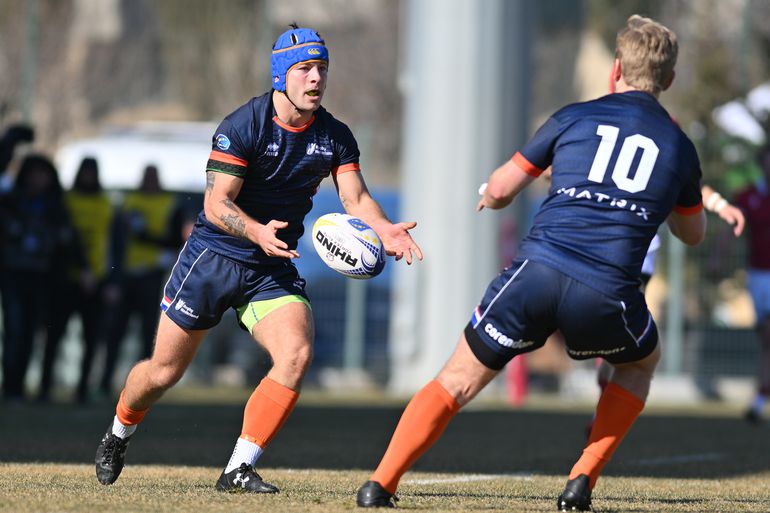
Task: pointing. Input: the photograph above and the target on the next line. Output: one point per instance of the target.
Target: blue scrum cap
(292, 47)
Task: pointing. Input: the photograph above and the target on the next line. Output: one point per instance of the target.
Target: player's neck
(288, 113)
(622, 87)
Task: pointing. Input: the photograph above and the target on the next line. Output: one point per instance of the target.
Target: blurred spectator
(149, 237)
(36, 244)
(12, 137)
(755, 203)
(81, 287)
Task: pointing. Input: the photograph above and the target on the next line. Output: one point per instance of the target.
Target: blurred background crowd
(76, 251)
(107, 109)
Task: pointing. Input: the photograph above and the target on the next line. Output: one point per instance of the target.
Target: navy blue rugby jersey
(281, 166)
(620, 165)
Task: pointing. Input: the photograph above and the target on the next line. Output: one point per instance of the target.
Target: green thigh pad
(250, 314)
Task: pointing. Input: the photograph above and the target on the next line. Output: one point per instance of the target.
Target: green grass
(28, 488)
(490, 459)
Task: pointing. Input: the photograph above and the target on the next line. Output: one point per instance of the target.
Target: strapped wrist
(714, 201)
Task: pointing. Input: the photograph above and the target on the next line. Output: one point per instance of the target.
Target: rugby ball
(349, 246)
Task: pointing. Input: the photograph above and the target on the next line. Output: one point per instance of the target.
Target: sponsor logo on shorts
(597, 352)
(223, 143)
(504, 340)
(182, 307)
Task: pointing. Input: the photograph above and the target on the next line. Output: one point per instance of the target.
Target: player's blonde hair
(647, 51)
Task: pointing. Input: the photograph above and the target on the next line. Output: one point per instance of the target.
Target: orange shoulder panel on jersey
(346, 168)
(526, 166)
(688, 211)
(226, 158)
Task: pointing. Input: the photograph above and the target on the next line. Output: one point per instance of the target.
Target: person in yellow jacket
(80, 287)
(147, 253)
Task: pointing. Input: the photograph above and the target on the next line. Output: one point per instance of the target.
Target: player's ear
(615, 74)
(670, 80)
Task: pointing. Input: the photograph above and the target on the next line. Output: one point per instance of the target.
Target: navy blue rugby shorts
(528, 301)
(204, 284)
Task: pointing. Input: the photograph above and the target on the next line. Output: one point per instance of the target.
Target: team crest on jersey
(223, 143)
(313, 148)
(272, 150)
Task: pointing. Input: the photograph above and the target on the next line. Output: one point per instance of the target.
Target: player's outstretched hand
(733, 216)
(267, 239)
(398, 243)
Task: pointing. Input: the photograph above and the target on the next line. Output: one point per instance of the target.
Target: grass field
(490, 459)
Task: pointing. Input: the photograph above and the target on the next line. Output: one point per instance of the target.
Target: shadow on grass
(355, 438)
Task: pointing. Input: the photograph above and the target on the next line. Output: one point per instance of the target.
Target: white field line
(520, 476)
(689, 458)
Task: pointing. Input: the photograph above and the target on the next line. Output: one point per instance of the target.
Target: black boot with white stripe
(244, 479)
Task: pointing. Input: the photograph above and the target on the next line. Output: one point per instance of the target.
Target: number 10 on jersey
(622, 170)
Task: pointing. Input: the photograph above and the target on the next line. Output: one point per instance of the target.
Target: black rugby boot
(576, 495)
(373, 495)
(244, 479)
(110, 457)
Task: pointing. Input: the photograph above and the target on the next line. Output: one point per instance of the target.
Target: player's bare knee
(164, 377)
(302, 358)
(294, 363)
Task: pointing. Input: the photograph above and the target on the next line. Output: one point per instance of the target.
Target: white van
(179, 151)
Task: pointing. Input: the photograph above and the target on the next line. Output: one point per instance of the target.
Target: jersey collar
(290, 128)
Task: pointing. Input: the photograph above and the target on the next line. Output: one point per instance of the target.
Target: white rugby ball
(348, 245)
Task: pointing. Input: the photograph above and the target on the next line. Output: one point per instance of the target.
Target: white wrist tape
(712, 201)
(482, 188)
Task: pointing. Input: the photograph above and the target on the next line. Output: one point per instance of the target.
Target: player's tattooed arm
(219, 206)
(232, 206)
(234, 224)
(220, 209)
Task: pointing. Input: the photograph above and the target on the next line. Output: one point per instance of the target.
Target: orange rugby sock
(424, 419)
(266, 410)
(126, 415)
(615, 414)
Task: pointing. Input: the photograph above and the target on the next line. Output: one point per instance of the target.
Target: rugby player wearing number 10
(621, 167)
(268, 158)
